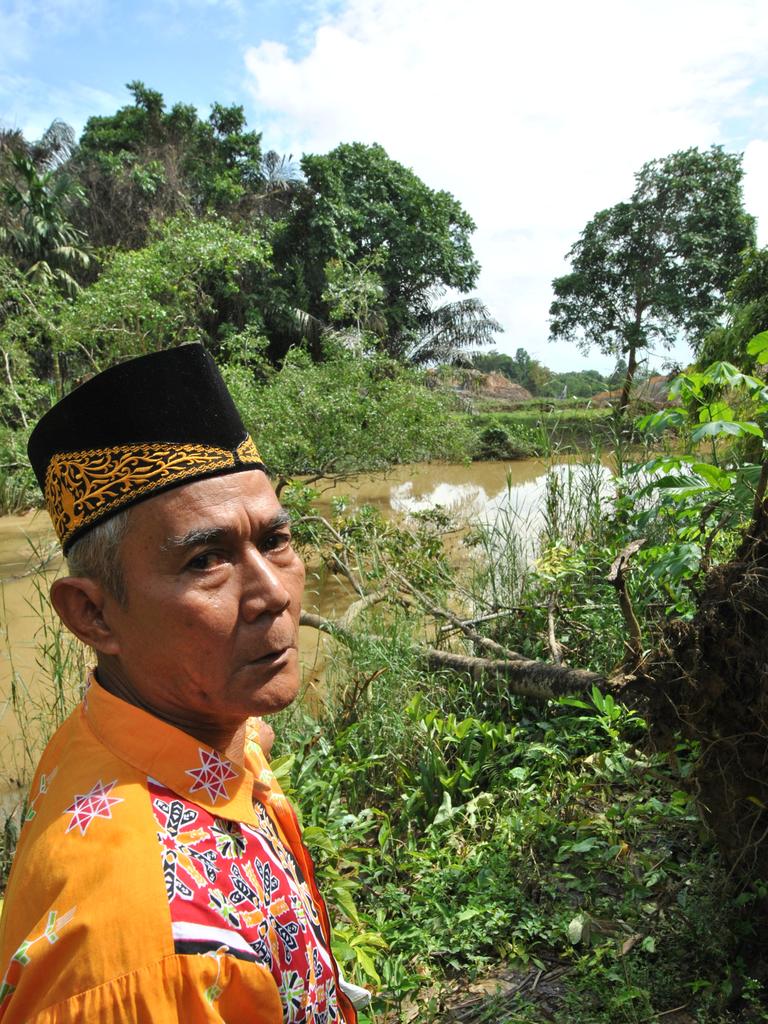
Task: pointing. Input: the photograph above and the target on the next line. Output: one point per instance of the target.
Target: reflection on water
(463, 502)
(517, 505)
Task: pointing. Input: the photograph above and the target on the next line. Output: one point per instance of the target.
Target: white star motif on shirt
(97, 803)
(212, 776)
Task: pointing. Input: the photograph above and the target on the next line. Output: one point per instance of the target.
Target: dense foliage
(461, 827)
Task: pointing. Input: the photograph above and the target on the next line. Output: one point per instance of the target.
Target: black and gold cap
(136, 429)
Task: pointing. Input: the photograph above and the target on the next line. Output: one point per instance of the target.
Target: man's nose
(264, 591)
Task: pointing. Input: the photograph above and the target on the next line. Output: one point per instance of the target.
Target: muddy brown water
(473, 492)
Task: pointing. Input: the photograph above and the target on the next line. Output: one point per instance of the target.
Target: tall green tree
(36, 230)
(657, 267)
(360, 205)
(198, 280)
(146, 162)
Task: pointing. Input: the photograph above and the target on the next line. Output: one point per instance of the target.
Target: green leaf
(366, 962)
(281, 766)
(715, 411)
(758, 347)
(721, 427)
(714, 476)
(344, 900)
(446, 811)
(665, 419)
(576, 929)
(585, 845)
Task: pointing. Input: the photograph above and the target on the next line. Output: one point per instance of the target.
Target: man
(160, 874)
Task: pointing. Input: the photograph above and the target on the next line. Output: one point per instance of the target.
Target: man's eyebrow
(281, 518)
(211, 534)
(203, 535)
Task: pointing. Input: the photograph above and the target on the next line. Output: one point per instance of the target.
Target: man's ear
(79, 602)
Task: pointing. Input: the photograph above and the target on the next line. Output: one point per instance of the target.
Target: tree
(51, 150)
(494, 362)
(575, 384)
(28, 336)
(747, 314)
(450, 328)
(360, 205)
(145, 162)
(656, 268)
(36, 231)
(523, 369)
(344, 414)
(200, 280)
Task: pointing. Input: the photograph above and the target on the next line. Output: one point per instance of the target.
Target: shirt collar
(177, 760)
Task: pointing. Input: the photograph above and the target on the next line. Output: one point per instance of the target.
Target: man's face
(209, 632)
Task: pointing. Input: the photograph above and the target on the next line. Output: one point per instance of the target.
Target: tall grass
(17, 493)
(39, 698)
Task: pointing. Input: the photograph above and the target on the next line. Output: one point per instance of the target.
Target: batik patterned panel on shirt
(234, 885)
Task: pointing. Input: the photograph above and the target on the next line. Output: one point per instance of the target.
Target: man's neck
(228, 739)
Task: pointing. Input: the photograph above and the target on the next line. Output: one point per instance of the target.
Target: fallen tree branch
(357, 607)
(536, 679)
(442, 613)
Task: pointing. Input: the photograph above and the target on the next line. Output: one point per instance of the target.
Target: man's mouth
(274, 657)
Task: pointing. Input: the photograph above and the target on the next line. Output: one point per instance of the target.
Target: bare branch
(443, 613)
(554, 644)
(618, 576)
(342, 566)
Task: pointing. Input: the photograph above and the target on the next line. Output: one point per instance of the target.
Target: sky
(535, 116)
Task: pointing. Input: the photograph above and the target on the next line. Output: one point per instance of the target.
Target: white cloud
(27, 104)
(534, 116)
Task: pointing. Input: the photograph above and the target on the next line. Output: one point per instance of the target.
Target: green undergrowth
(552, 424)
(459, 829)
(18, 487)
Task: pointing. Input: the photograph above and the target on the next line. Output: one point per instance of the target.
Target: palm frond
(452, 327)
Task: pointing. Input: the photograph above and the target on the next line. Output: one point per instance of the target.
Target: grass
(553, 425)
(36, 709)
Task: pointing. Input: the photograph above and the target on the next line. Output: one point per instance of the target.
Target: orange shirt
(156, 881)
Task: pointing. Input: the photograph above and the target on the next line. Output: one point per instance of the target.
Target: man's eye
(277, 542)
(205, 560)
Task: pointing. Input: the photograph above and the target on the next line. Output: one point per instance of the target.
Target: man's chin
(276, 693)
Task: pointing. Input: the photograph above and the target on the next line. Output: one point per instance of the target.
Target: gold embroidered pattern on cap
(81, 487)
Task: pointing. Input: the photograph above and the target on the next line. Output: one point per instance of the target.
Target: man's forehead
(218, 502)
